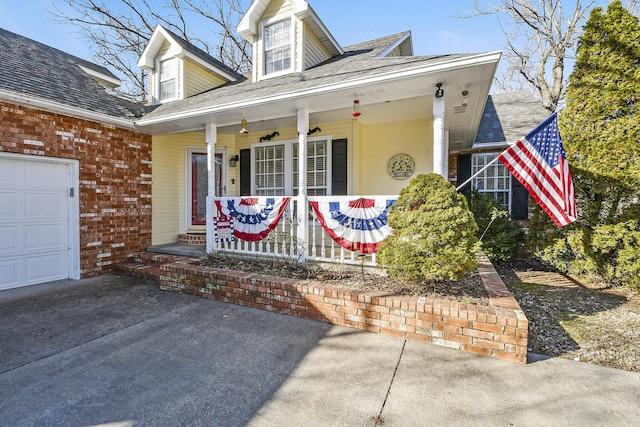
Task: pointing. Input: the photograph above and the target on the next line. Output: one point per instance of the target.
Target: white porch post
(440, 160)
(211, 138)
(302, 212)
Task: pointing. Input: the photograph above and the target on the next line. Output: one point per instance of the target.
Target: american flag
(539, 162)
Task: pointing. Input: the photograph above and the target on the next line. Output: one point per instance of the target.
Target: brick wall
(115, 178)
(498, 330)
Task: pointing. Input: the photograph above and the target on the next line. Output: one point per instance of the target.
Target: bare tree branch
(540, 40)
(119, 30)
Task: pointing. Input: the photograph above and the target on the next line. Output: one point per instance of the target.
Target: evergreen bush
(499, 237)
(434, 232)
(600, 129)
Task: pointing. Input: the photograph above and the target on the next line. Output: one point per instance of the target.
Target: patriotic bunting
(356, 224)
(253, 217)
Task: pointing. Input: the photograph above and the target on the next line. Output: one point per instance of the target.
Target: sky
(435, 27)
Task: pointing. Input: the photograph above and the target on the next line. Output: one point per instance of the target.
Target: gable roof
(508, 117)
(183, 49)
(360, 62)
(248, 25)
(35, 70)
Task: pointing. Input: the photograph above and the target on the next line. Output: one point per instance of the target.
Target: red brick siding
(115, 178)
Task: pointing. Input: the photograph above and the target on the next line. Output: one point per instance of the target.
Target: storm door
(198, 185)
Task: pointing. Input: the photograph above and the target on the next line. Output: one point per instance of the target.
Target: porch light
(439, 91)
(244, 129)
(314, 130)
(233, 161)
(356, 108)
(465, 99)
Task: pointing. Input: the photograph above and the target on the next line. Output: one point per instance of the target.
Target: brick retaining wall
(498, 330)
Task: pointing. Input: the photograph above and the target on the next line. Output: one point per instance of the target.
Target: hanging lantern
(356, 108)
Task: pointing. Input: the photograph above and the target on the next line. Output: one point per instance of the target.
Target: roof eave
(57, 107)
(472, 60)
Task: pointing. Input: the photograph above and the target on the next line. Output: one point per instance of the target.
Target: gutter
(59, 108)
(394, 75)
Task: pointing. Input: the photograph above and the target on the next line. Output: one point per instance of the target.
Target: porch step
(192, 239)
(146, 265)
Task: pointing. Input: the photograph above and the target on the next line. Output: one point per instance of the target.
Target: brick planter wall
(115, 178)
(498, 330)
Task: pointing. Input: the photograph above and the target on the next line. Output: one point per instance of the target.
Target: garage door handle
(71, 191)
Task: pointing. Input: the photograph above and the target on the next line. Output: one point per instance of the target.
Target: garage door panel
(53, 266)
(46, 175)
(9, 204)
(10, 238)
(46, 236)
(45, 205)
(11, 172)
(10, 269)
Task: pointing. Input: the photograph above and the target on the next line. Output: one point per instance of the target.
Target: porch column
(211, 137)
(302, 212)
(439, 147)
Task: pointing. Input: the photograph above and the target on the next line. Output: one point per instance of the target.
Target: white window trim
(288, 164)
(158, 90)
(262, 53)
(509, 190)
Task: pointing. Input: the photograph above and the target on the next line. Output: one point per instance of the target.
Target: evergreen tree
(600, 128)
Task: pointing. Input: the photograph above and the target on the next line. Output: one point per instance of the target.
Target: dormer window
(277, 47)
(168, 79)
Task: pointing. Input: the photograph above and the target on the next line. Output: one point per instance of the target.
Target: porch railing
(284, 242)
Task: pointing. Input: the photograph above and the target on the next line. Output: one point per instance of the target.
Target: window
(277, 47)
(495, 181)
(270, 170)
(316, 168)
(276, 168)
(168, 79)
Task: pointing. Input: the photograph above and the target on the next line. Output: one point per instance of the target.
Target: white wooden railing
(284, 242)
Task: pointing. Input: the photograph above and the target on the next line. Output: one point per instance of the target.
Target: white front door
(35, 221)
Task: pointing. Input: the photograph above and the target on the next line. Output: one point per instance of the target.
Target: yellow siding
(381, 142)
(198, 80)
(314, 52)
(169, 186)
(277, 7)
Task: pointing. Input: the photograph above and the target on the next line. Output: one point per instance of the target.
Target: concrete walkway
(118, 351)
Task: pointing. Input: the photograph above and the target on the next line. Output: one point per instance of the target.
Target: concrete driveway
(118, 351)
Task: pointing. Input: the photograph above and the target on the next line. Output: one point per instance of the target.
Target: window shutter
(464, 172)
(519, 200)
(339, 167)
(245, 172)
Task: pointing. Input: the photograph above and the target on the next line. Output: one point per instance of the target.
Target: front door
(198, 184)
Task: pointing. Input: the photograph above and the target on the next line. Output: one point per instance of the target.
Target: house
(361, 120)
(74, 171)
(507, 118)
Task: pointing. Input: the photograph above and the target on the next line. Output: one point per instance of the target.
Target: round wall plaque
(401, 166)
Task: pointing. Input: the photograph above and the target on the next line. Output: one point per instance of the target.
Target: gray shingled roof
(35, 69)
(509, 116)
(358, 62)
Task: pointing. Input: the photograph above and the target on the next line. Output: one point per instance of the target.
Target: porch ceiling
(402, 97)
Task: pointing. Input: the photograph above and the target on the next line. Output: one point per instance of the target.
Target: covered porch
(360, 139)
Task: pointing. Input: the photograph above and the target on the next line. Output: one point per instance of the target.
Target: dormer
(287, 37)
(177, 69)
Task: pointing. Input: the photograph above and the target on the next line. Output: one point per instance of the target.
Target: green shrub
(434, 232)
(499, 237)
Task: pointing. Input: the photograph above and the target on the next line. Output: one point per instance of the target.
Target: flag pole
(477, 173)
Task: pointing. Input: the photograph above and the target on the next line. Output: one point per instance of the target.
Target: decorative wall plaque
(401, 166)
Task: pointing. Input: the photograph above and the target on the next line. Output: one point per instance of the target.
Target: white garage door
(35, 213)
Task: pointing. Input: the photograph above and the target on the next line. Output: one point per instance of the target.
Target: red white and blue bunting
(356, 224)
(253, 217)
